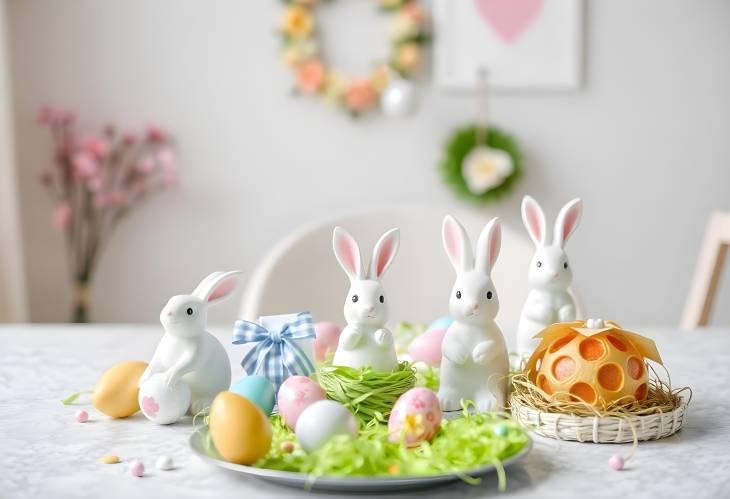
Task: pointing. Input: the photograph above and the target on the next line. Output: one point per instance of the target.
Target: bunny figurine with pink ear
(550, 274)
(190, 366)
(365, 341)
(474, 362)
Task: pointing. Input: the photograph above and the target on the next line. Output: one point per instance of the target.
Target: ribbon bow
(276, 354)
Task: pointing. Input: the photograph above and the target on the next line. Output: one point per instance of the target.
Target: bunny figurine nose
(169, 314)
(474, 307)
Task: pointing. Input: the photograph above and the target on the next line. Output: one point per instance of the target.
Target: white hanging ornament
(398, 97)
(484, 168)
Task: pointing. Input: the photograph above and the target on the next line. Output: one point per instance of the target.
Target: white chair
(301, 273)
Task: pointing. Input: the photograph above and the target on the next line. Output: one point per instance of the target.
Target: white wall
(645, 143)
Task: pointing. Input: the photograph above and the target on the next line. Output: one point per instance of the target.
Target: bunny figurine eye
(539, 264)
(355, 298)
(458, 295)
(489, 295)
(382, 299)
(190, 311)
(565, 265)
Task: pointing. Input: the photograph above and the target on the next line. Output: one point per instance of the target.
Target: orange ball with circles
(591, 361)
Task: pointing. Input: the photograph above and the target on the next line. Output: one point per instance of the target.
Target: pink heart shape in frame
(509, 18)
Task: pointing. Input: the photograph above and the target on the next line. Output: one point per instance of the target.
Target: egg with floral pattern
(415, 418)
(296, 394)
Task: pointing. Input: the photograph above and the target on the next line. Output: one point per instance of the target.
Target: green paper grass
(369, 394)
(461, 445)
(461, 143)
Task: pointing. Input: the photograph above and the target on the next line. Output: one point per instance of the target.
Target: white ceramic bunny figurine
(550, 274)
(474, 362)
(365, 341)
(187, 352)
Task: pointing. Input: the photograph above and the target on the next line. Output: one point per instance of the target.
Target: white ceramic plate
(342, 484)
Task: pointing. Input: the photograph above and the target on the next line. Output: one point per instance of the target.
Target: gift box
(282, 346)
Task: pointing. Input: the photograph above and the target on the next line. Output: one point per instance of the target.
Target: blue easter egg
(257, 389)
(441, 323)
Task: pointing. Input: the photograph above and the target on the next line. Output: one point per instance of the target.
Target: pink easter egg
(427, 347)
(137, 468)
(296, 394)
(416, 417)
(327, 335)
(82, 416)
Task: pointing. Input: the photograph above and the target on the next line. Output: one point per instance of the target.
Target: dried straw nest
(660, 414)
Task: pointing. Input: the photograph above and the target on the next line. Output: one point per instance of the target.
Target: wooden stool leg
(707, 272)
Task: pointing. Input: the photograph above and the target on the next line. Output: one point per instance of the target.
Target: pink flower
(129, 138)
(360, 95)
(145, 165)
(311, 76)
(150, 406)
(110, 198)
(62, 215)
(166, 158)
(156, 134)
(96, 146)
(94, 183)
(85, 165)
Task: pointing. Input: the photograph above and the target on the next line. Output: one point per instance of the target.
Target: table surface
(45, 453)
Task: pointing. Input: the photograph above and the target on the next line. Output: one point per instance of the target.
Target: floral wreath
(301, 51)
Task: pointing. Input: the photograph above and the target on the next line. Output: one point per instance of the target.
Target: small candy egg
(416, 417)
(426, 347)
(296, 394)
(501, 430)
(327, 335)
(616, 462)
(441, 323)
(136, 468)
(287, 446)
(109, 459)
(241, 432)
(323, 420)
(82, 416)
(115, 393)
(164, 463)
(258, 389)
(163, 404)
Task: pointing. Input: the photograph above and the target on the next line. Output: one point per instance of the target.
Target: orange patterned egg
(593, 362)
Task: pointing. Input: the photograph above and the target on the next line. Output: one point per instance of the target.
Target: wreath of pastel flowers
(356, 95)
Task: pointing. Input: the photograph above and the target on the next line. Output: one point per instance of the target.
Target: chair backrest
(301, 273)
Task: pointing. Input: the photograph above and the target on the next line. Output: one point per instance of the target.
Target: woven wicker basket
(600, 429)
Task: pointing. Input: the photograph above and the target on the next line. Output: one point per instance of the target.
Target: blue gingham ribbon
(276, 354)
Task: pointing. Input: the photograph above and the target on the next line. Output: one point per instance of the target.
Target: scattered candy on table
(616, 462)
(109, 459)
(82, 416)
(136, 468)
(287, 446)
(164, 463)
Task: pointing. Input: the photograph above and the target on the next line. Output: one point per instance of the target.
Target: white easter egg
(163, 404)
(323, 420)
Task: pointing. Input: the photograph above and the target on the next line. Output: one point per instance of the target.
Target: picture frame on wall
(521, 44)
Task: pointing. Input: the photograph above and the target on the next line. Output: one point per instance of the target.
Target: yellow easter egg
(240, 431)
(115, 394)
(598, 365)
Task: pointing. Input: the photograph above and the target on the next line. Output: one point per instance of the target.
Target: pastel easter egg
(241, 432)
(296, 394)
(426, 347)
(115, 393)
(161, 403)
(257, 389)
(327, 335)
(416, 417)
(323, 420)
(441, 323)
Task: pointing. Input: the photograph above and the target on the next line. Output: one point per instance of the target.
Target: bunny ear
(384, 253)
(216, 286)
(347, 252)
(567, 221)
(488, 245)
(534, 219)
(457, 244)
